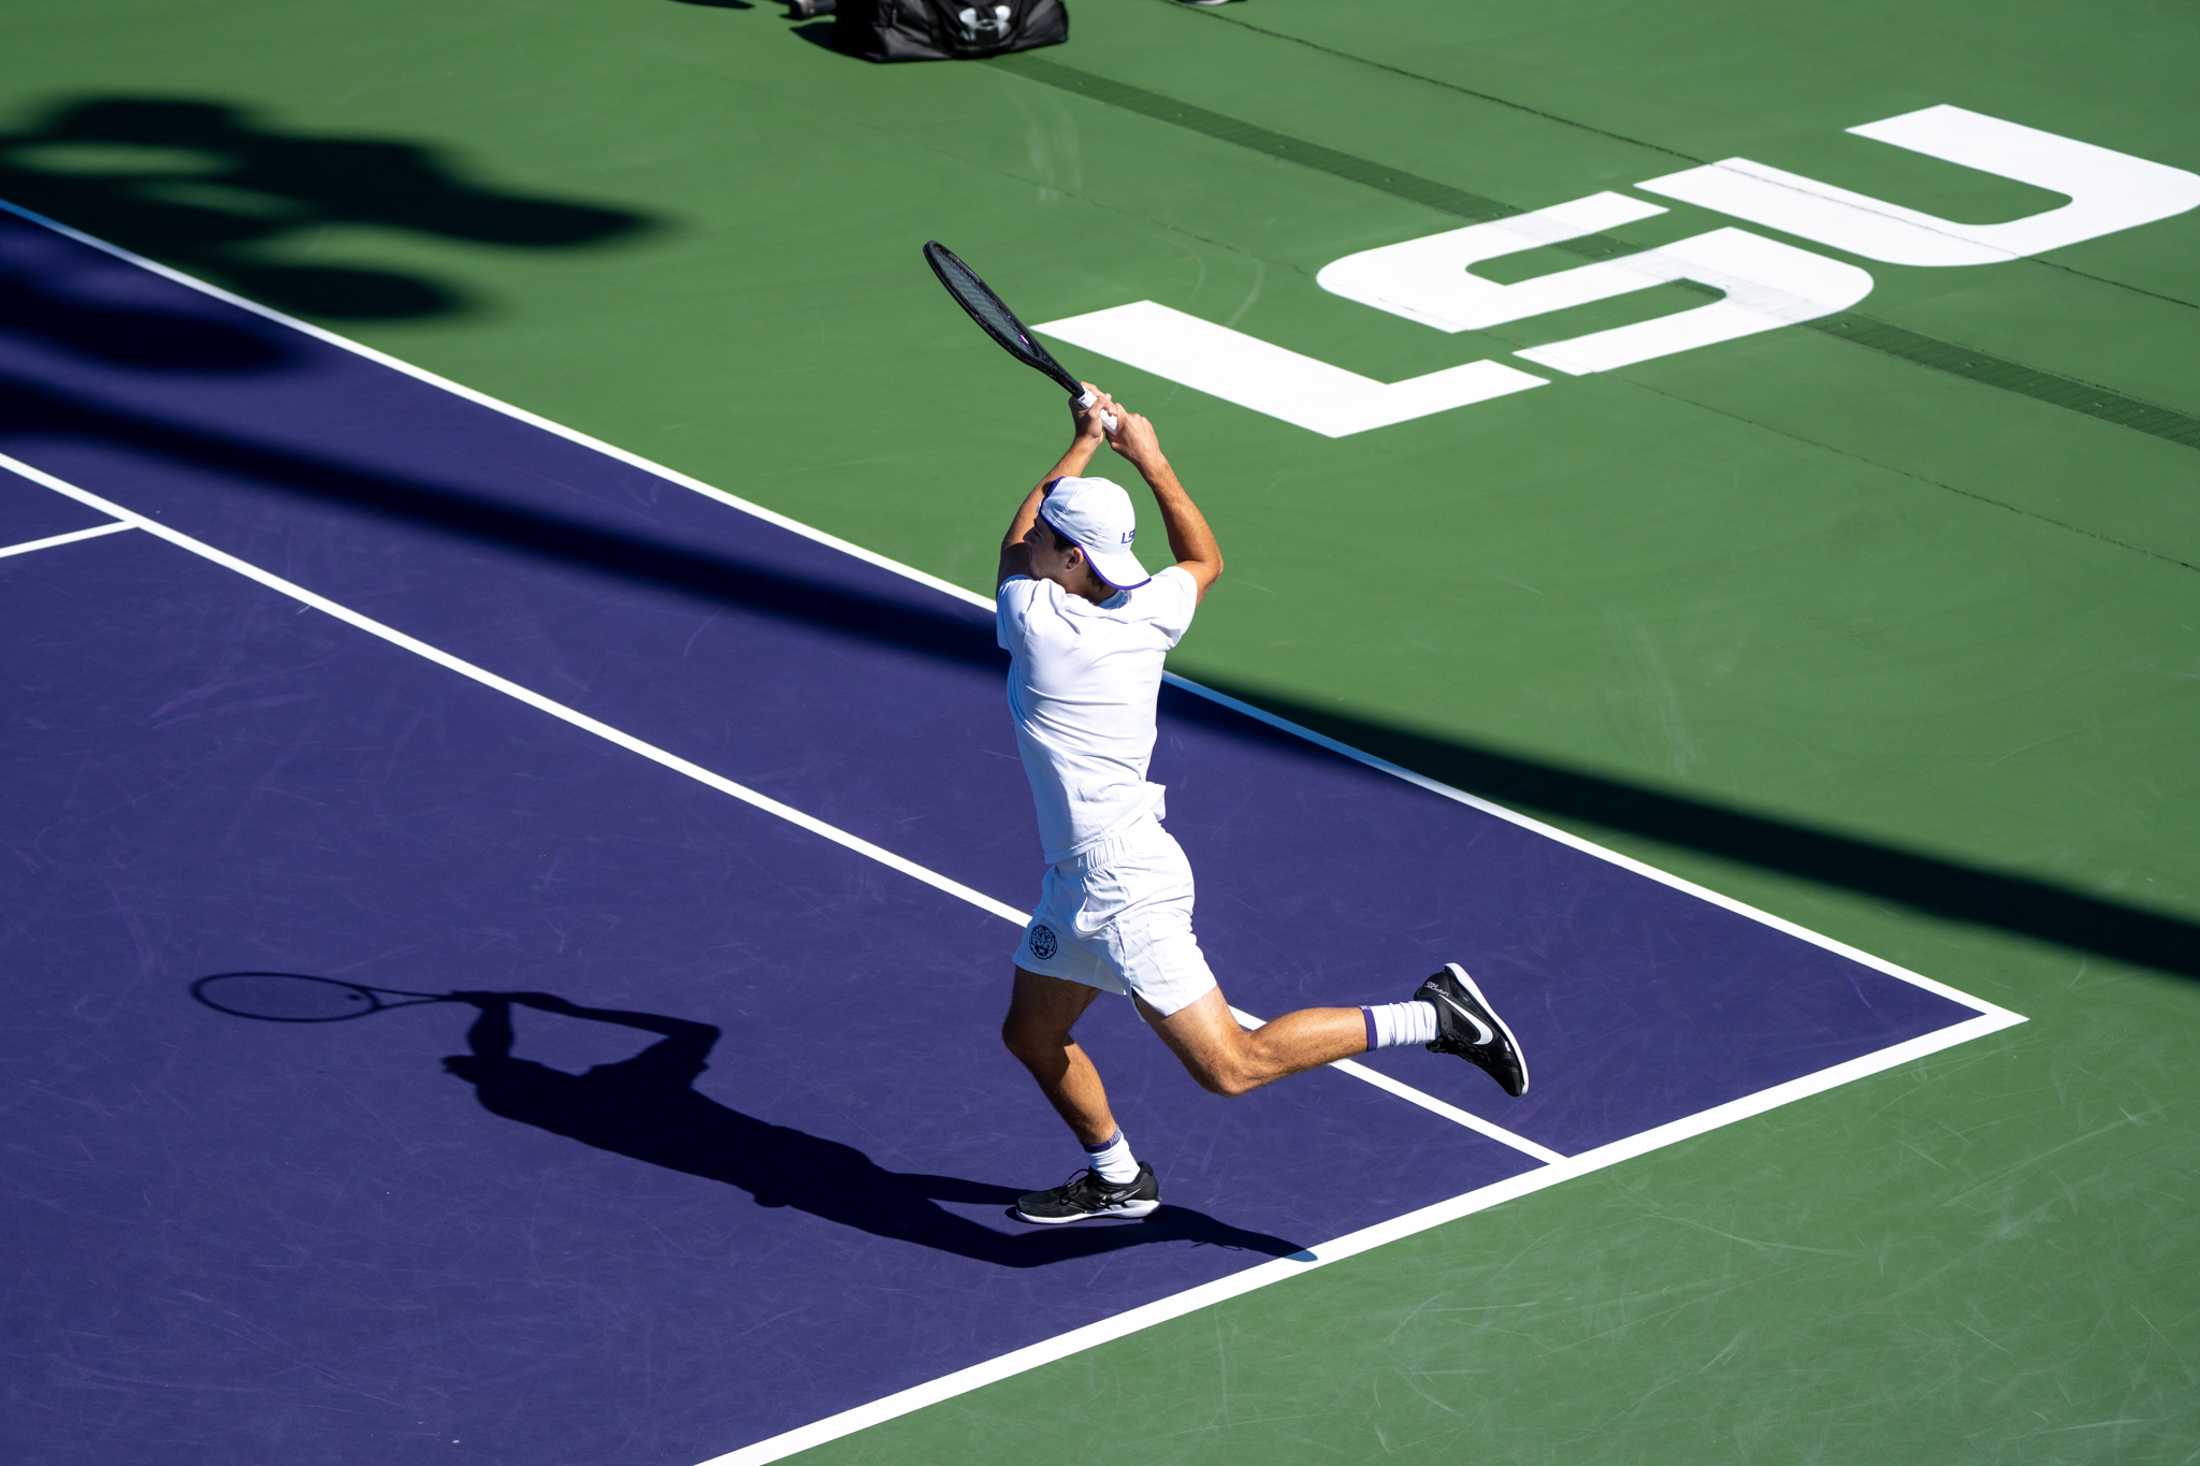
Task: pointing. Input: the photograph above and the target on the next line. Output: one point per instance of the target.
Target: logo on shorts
(1042, 941)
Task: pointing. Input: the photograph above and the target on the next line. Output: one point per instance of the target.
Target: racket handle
(1107, 419)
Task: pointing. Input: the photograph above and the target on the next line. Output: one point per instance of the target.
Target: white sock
(1392, 1024)
(1114, 1162)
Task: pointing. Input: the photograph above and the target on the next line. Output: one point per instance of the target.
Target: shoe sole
(1129, 1211)
(1496, 1022)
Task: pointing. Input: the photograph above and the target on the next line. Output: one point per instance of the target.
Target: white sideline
(127, 519)
(910, 572)
(64, 539)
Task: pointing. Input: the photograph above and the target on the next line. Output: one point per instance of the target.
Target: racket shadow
(647, 1109)
(295, 997)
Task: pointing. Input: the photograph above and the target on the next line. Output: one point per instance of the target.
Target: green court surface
(1887, 623)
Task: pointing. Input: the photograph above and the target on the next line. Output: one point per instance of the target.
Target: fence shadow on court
(1932, 885)
(56, 316)
(647, 1108)
(212, 189)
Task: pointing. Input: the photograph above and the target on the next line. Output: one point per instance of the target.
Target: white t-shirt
(1082, 680)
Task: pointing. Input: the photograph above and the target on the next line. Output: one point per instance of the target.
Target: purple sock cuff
(1367, 1016)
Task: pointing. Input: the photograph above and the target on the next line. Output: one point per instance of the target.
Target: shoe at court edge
(1468, 1026)
(1085, 1196)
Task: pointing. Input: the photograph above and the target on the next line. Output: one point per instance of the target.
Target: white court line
(1992, 1017)
(127, 519)
(65, 539)
(948, 588)
(513, 690)
(1265, 1274)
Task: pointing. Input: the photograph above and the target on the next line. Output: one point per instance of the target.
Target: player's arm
(490, 1036)
(1190, 540)
(1086, 442)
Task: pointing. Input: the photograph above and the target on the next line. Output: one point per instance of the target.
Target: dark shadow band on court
(949, 632)
(309, 181)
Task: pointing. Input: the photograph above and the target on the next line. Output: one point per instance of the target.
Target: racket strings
(993, 315)
(986, 308)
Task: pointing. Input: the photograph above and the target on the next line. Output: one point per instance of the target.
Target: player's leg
(1228, 1058)
(1041, 1013)
(1114, 1183)
(1447, 1014)
(1148, 943)
(1058, 974)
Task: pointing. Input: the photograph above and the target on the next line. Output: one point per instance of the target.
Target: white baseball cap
(1097, 515)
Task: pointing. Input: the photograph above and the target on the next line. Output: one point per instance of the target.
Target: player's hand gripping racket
(999, 322)
(292, 997)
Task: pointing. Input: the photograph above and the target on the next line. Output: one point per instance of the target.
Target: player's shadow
(210, 188)
(647, 1108)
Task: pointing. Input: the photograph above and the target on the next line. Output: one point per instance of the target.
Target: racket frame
(1026, 348)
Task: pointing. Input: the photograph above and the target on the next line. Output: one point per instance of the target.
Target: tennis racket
(292, 997)
(999, 322)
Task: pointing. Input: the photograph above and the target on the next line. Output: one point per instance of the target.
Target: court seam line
(910, 572)
(451, 662)
(1794, 436)
(2136, 414)
(1482, 1198)
(1589, 127)
(53, 540)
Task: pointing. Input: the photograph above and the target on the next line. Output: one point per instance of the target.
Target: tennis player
(1086, 630)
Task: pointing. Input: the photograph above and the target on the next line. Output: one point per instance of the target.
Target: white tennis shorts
(1118, 917)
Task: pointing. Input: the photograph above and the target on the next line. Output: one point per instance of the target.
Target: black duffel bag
(946, 30)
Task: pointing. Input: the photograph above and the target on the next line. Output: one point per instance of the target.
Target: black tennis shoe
(1085, 1196)
(1468, 1026)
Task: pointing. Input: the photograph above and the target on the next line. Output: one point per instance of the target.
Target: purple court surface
(746, 1161)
